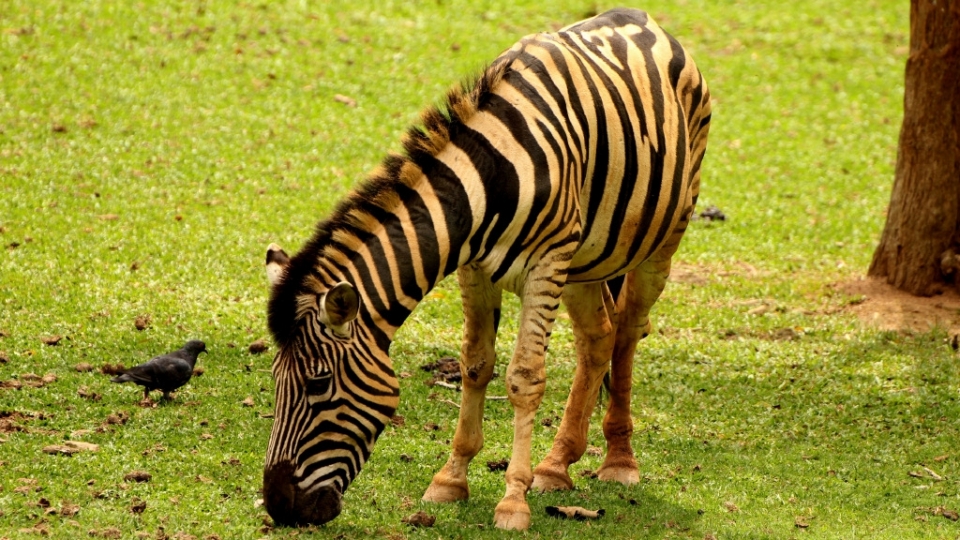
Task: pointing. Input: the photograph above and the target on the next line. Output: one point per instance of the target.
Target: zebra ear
(339, 305)
(277, 261)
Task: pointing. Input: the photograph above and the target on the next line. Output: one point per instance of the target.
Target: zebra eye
(319, 386)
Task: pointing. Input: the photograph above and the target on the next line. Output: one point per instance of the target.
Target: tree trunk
(921, 240)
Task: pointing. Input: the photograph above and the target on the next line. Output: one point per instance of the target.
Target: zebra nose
(288, 504)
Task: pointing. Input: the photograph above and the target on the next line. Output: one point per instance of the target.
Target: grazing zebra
(569, 169)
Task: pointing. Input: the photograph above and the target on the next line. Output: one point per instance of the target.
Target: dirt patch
(879, 305)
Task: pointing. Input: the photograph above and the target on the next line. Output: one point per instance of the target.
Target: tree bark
(920, 242)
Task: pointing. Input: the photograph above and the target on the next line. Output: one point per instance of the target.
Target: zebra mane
(379, 189)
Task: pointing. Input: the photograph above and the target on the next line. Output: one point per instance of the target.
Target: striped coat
(568, 171)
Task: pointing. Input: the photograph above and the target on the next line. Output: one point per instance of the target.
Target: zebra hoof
(512, 516)
(440, 492)
(543, 481)
(625, 475)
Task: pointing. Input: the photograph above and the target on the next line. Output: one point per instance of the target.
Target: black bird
(166, 372)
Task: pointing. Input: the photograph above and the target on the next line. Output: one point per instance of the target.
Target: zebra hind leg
(641, 290)
(592, 312)
(481, 310)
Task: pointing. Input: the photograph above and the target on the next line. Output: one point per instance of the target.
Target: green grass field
(149, 152)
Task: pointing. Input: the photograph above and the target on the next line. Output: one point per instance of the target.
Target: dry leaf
(69, 448)
(138, 506)
(420, 519)
(83, 367)
(731, 507)
(119, 418)
(574, 512)
(112, 369)
(248, 402)
(257, 347)
(68, 510)
(500, 465)
(137, 476)
(142, 322)
(85, 393)
(348, 101)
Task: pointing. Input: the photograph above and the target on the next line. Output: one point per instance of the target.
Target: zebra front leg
(526, 381)
(641, 290)
(481, 311)
(591, 310)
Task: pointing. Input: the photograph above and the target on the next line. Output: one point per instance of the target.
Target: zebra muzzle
(288, 504)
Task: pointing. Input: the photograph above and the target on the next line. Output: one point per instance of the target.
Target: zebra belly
(618, 248)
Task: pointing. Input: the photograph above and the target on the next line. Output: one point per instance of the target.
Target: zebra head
(333, 397)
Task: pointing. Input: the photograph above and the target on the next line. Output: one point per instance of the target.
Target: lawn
(150, 151)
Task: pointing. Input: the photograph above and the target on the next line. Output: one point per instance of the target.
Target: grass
(150, 151)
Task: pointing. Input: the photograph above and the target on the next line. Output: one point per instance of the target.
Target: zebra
(568, 170)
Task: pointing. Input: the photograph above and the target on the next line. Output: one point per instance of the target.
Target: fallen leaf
(69, 448)
(137, 476)
(51, 340)
(108, 217)
(499, 465)
(574, 512)
(731, 507)
(83, 367)
(119, 418)
(142, 322)
(257, 347)
(801, 522)
(112, 369)
(85, 393)
(138, 506)
(199, 371)
(346, 100)
(248, 402)
(67, 509)
(420, 519)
